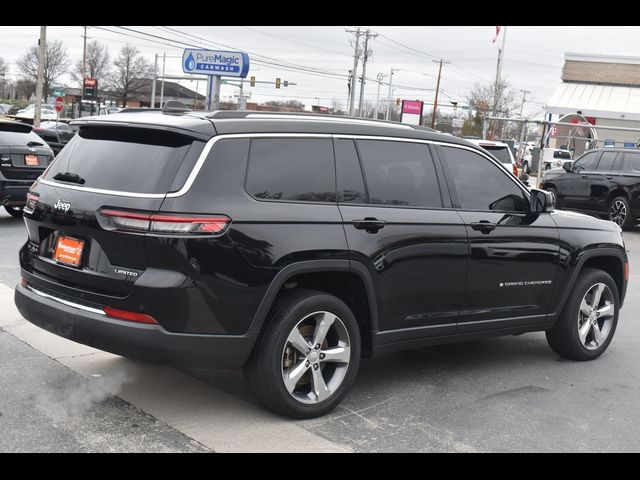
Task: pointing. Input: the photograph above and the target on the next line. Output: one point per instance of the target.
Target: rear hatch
(23, 154)
(72, 241)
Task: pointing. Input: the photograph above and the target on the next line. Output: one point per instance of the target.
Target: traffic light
(398, 101)
(277, 83)
(253, 81)
(286, 83)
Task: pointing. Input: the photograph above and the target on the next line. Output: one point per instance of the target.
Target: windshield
(501, 153)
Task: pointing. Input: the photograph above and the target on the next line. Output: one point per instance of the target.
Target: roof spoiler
(174, 106)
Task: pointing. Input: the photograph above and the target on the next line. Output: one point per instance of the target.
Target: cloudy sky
(317, 58)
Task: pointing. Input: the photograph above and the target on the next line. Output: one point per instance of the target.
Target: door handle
(484, 226)
(369, 224)
(583, 176)
(609, 177)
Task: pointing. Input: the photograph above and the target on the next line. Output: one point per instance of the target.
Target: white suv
(502, 152)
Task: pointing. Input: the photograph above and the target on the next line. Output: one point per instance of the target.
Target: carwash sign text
(217, 63)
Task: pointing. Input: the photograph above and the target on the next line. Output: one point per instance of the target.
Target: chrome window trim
(66, 302)
(207, 149)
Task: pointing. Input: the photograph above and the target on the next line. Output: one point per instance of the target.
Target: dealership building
(604, 89)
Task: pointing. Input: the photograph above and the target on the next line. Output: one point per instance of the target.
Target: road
(505, 394)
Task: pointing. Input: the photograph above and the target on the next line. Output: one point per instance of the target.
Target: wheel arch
(348, 280)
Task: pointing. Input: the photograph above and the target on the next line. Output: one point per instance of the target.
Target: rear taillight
(626, 270)
(515, 169)
(129, 316)
(32, 201)
(165, 223)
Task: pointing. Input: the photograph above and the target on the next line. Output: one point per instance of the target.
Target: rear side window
(399, 173)
(631, 162)
(125, 159)
(293, 169)
(606, 160)
(480, 184)
(501, 153)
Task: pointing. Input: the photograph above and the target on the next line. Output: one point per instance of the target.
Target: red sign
(554, 131)
(89, 82)
(59, 104)
(409, 106)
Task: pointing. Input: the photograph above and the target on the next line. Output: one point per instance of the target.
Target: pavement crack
(75, 356)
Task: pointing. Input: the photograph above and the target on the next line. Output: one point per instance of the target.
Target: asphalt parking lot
(506, 394)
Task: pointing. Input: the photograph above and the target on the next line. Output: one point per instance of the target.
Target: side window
(606, 161)
(631, 162)
(586, 162)
(480, 184)
(399, 173)
(295, 169)
(350, 181)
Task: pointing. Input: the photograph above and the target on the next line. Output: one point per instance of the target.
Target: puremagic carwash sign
(218, 63)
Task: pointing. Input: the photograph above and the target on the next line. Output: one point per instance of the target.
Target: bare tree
(97, 63)
(56, 63)
(483, 98)
(132, 73)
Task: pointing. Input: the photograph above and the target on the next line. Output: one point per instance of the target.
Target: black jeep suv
(295, 245)
(604, 182)
(23, 157)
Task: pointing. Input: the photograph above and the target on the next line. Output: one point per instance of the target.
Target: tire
(620, 213)
(554, 191)
(568, 337)
(15, 212)
(547, 166)
(265, 371)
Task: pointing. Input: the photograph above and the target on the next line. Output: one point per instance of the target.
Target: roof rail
(174, 106)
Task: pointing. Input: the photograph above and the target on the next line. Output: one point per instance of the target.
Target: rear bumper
(130, 339)
(14, 192)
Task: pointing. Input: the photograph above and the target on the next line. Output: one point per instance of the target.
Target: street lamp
(391, 72)
(379, 77)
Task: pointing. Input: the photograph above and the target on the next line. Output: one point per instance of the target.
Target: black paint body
(427, 276)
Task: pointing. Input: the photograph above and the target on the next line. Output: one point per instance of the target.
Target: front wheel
(307, 358)
(620, 213)
(15, 212)
(589, 320)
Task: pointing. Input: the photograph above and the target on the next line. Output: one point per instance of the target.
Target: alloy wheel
(315, 358)
(595, 318)
(618, 212)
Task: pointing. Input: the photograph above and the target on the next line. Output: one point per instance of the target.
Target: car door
(399, 226)
(573, 188)
(513, 253)
(600, 183)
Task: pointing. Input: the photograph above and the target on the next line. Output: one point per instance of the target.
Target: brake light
(626, 270)
(32, 200)
(130, 316)
(515, 170)
(165, 223)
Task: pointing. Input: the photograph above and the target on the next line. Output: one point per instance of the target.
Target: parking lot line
(214, 418)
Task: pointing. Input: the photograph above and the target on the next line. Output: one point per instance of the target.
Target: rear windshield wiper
(69, 177)
(35, 144)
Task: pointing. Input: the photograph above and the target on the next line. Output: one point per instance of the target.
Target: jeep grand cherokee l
(295, 245)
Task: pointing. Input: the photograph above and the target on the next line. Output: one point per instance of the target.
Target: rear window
(562, 154)
(17, 134)
(134, 160)
(501, 153)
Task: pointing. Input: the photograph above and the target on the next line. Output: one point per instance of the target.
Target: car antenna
(174, 106)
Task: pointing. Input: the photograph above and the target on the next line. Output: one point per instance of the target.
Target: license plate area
(31, 160)
(68, 250)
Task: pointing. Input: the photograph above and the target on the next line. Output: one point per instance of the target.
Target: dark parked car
(23, 158)
(603, 182)
(56, 134)
(293, 245)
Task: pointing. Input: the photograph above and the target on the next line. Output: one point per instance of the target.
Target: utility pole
(496, 95)
(524, 99)
(155, 80)
(386, 117)
(379, 77)
(164, 59)
(84, 55)
(354, 72)
(365, 57)
(435, 103)
(40, 81)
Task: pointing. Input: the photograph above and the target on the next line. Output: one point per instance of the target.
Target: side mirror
(567, 166)
(541, 201)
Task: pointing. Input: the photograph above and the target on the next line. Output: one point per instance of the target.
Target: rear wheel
(590, 317)
(15, 212)
(620, 213)
(307, 358)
